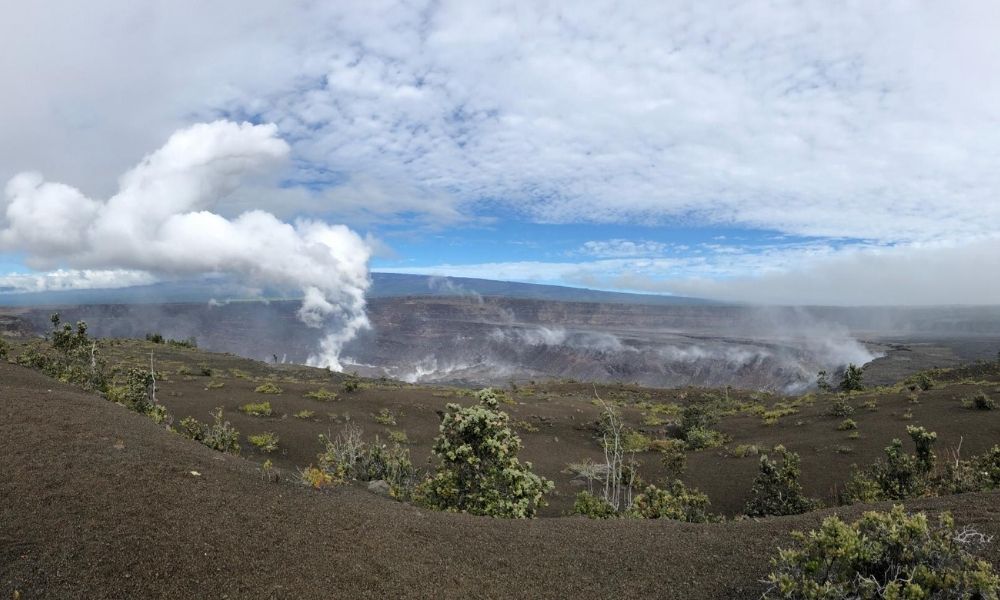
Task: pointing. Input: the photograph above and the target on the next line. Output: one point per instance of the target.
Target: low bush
(315, 477)
(220, 435)
(594, 507)
(322, 394)
(899, 475)
(267, 388)
(676, 502)
(776, 489)
(847, 425)
(265, 442)
(841, 408)
(979, 401)
(700, 438)
(4, 349)
(304, 414)
(257, 409)
(385, 417)
(351, 383)
(884, 555)
(348, 457)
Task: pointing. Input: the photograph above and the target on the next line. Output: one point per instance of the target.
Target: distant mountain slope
(388, 285)
(384, 285)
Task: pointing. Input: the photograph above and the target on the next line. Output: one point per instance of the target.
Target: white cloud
(159, 222)
(810, 273)
(73, 279)
(622, 248)
(872, 121)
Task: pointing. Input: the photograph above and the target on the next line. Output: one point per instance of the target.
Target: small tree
(853, 380)
(479, 471)
(823, 381)
(776, 489)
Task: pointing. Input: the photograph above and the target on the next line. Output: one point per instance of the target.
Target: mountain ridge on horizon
(384, 285)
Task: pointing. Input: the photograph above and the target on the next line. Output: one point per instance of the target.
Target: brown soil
(100, 502)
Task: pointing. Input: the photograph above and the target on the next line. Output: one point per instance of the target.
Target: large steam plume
(160, 223)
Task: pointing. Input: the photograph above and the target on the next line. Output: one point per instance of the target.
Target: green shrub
(776, 489)
(351, 383)
(321, 394)
(479, 471)
(634, 441)
(979, 401)
(304, 414)
(900, 475)
(884, 555)
(137, 391)
(676, 502)
(69, 355)
(385, 417)
(190, 343)
(672, 456)
(923, 381)
(853, 380)
(592, 506)
(977, 474)
(4, 349)
(841, 408)
(347, 456)
(257, 409)
(697, 416)
(847, 425)
(155, 338)
(267, 388)
(220, 435)
(265, 442)
(700, 438)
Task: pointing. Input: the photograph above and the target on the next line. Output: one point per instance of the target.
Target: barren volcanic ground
(100, 502)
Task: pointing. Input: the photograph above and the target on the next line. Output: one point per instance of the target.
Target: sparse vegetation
(265, 442)
(322, 394)
(884, 555)
(219, 435)
(257, 409)
(979, 401)
(304, 414)
(900, 475)
(351, 383)
(385, 417)
(847, 425)
(841, 408)
(267, 388)
(348, 457)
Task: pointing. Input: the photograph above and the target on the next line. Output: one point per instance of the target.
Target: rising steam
(160, 223)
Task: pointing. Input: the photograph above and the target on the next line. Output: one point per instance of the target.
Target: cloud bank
(159, 224)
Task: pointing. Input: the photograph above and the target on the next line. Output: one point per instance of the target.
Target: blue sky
(764, 152)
